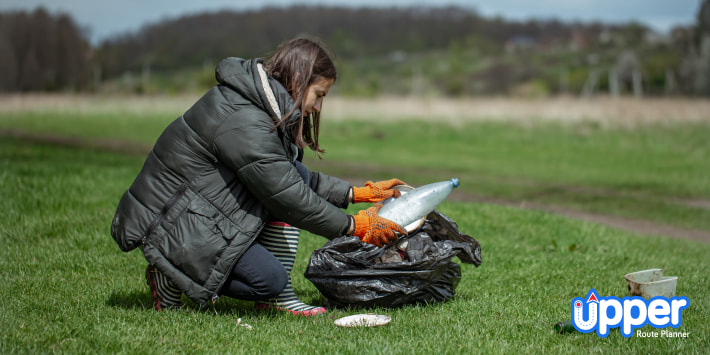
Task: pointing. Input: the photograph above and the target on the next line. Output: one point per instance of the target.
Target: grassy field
(67, 288)
(650, 169)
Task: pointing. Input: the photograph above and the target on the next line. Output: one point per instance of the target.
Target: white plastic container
(651, 283)
(414, 205)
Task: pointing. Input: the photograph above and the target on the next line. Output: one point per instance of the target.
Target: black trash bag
(415, 269)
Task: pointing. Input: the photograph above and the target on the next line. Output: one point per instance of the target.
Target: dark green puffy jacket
(215, 176)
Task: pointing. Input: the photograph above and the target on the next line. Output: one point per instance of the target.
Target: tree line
(42, 52)
(454, 49)
(351, 33)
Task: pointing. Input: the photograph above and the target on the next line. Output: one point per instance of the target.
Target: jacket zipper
(159, 218)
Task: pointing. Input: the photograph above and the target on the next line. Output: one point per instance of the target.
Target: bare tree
(41, 51)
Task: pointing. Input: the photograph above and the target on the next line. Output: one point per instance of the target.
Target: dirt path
(639, 226)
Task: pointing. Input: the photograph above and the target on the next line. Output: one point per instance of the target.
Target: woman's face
(314, 96)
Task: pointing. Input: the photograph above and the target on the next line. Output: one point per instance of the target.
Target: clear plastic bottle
(418, 203)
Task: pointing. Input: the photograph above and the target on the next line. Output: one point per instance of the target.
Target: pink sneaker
(305, 313)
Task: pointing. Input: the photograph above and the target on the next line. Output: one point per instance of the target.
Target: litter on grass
(651, 283)
(239, 323)
(363, 320)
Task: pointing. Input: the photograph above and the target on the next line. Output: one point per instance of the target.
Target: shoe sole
(306, 313)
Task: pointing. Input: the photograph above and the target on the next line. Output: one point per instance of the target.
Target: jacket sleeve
(330, 188)
(246, 144)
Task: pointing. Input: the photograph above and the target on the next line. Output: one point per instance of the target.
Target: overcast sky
(106, 18)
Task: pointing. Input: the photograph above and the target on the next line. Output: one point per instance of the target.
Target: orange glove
(376, 191)
(373, 229)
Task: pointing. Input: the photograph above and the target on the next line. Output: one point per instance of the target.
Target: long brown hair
(297, 64)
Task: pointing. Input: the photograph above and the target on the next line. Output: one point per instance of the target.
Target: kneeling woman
(220, 199)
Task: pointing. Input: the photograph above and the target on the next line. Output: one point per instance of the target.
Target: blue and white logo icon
(604, 313)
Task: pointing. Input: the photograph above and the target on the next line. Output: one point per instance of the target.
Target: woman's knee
(261, 272)
(274, 283)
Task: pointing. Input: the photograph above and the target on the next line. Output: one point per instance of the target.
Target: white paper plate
(363, 320)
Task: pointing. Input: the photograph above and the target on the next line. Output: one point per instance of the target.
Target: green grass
(644, 172)
(66, 287)
(647, 172)
(74, 123)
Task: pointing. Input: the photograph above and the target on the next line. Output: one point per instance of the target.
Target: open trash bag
(415, 269)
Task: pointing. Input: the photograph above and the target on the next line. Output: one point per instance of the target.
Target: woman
(217, 205)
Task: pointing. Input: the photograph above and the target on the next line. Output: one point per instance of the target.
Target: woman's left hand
(376, 191)
(373, 229)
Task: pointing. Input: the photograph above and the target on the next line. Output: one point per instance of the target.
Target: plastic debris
(240, 324)
(363, 320)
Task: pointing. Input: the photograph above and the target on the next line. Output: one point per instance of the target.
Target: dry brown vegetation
(604, 110)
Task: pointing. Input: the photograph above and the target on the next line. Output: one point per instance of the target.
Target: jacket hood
(249, 79)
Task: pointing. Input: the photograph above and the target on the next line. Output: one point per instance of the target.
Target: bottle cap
(455, 181)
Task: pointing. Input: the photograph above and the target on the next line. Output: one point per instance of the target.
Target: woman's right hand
(373, 229)
(376, 191)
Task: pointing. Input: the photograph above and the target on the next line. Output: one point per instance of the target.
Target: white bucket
(651, 283)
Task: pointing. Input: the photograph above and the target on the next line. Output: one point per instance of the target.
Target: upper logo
(604, 313)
